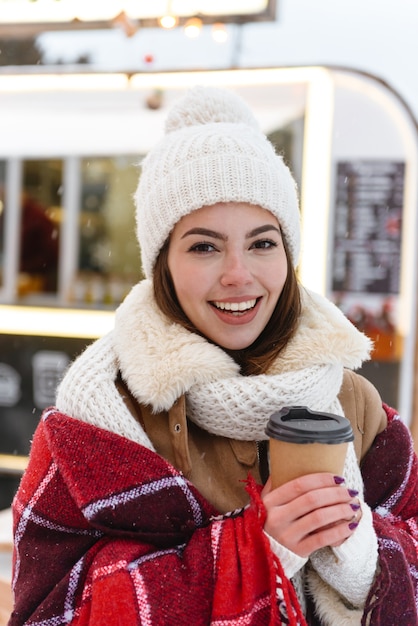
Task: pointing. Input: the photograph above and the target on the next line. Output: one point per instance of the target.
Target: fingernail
(353, 525)
(353, 493)
(338, 480)
(355, 506)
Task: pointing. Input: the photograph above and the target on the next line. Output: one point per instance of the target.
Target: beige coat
(218, 466)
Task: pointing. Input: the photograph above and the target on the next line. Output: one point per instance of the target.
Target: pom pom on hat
(213, 151)
(207, 105)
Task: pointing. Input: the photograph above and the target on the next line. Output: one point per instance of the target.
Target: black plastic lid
(299, 424)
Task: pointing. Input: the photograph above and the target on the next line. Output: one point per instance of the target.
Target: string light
(219, 33)
(192, 27)
(168, 20)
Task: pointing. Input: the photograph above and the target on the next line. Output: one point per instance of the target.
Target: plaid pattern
(391, 490)
(107, 533)
(390, 474)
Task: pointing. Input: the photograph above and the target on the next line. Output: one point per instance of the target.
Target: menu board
(367, 226)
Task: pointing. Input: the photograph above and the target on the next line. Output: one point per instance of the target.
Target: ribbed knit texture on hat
(213, 151)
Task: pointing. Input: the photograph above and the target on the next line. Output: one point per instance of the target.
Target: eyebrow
(206, 232)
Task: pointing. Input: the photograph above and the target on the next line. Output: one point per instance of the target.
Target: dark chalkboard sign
(367, 226)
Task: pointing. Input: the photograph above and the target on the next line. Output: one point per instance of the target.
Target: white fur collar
(160, 360)
(324, 335)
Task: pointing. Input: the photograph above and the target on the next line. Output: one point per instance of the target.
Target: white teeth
(235, 306)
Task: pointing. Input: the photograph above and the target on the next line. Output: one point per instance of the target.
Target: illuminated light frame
(55, 322)
(45, 15)
(12, 465)
(39, 81)
(51, 11)
(316, 183)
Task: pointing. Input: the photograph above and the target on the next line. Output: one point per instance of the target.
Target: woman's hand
(311, 512)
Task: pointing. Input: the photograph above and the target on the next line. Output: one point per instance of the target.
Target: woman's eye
(202, 247)
(264, 244)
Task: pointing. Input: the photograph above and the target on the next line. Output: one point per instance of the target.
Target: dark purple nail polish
(353, 493)
(338, 480)
(355, 506)
(353, 525)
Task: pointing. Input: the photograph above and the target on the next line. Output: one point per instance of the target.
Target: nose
(236, 270)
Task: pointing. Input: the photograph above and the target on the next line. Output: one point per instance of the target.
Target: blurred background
(84, 91)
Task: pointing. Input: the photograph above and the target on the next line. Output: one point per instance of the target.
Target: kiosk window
(41, 217)
(108, 257)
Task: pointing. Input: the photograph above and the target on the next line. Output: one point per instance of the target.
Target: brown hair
(257, 358)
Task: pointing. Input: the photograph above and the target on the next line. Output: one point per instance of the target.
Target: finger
(300, 486)
(357, 512)
(315, 500)
(291, 529)
(333, 536)
(318, 520)
(326, 517)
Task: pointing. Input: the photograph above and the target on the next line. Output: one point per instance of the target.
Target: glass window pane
(109, 262)
(41, 216)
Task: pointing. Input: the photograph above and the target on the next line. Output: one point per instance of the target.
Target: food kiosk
(70, 153)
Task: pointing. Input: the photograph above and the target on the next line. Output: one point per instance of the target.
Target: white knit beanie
(213, 151)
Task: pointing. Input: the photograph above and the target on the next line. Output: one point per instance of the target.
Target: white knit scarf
(240, 407)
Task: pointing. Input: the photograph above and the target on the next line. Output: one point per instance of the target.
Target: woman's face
(228, 265)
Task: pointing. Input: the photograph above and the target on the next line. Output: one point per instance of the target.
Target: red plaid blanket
(108, 533)
(390, 472)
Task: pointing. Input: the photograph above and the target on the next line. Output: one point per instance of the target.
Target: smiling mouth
(235, 308)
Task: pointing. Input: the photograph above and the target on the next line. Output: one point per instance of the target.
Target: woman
(147, 498)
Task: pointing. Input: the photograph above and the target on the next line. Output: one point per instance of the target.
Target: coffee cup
(303, 441)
